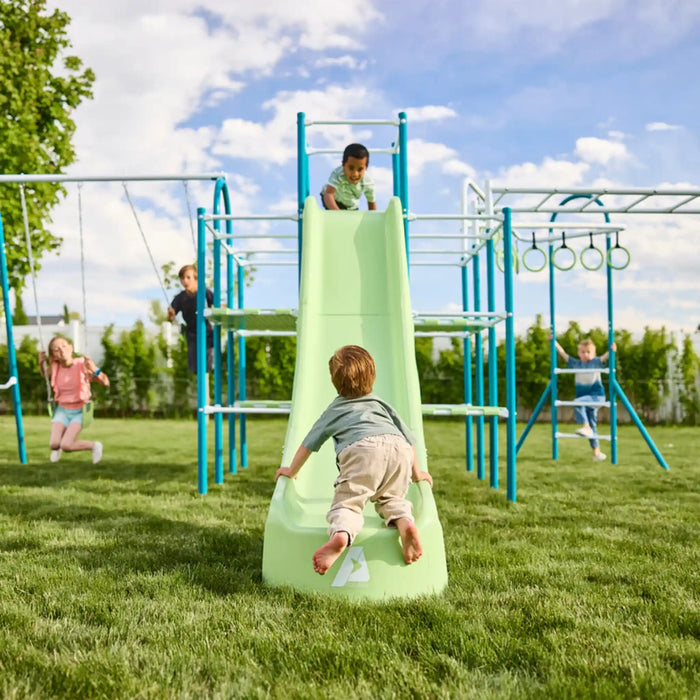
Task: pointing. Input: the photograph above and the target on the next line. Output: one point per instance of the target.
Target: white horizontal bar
(595, 193)
(251, 217)
(376, 122)
(237, 409)
(584, 404)
(333, 151)
(10, 382)
(108, 178)
(582, 437)
(602, 370)
(596, 227)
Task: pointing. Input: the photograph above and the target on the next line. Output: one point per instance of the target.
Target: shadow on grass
(125, 542)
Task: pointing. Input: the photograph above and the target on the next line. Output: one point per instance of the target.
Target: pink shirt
(71, 385)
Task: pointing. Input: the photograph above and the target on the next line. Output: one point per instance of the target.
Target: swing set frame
(13, 383)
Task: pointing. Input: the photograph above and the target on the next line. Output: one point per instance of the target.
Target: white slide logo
(353, 568)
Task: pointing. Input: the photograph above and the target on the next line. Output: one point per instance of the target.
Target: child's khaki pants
(378, 469)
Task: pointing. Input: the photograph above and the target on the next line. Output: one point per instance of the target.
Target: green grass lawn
(118, 581)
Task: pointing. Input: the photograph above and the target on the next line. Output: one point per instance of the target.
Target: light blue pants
(589, 414)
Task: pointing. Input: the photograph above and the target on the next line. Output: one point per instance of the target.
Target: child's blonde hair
(587, 343)
(54, 339)
(352, 371)
(184, 269)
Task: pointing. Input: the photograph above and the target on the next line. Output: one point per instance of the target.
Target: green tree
(690, 386)
(41, 86)
(19, 318)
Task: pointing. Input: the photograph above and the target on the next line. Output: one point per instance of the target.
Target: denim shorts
(67, 415)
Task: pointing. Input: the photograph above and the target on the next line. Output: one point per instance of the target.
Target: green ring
(534, 268)
(559, 266)
(592, 267)
(516, 260)
(609, 258)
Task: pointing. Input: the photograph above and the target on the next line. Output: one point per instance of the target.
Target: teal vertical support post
(302, 181)
(201, 358)
(230, 355)
(478, 371)
(403, 175)
(395, 167)
(11, 353)
(612, 376)
(218, 418)
(492, 365)
(467, 373)
(511, 482)
(552, 353)
(242, 392)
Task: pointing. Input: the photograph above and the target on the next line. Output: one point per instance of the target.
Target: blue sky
(554, 93)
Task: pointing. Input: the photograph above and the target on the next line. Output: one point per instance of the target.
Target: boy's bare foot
(326, 555)
(410, 542)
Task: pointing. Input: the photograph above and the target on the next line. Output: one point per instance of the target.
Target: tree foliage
(41, 86)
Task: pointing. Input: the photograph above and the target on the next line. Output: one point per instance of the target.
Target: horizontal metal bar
(597, 227)
(265, 334)
(606, 210)
(562, 370)
(237, 409)
(458, 314)
(351, 122)
(455, 217)
(597, 192)
(332, 151)
(108, 178)
(250, 217)
(583, 404)
(10, 382)
(582, 437)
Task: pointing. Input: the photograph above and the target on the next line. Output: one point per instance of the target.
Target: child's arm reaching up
(605, 355)
(298, 461)
(560, 350)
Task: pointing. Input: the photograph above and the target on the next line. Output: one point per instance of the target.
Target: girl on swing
(70, 378)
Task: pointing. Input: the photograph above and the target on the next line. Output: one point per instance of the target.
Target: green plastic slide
(354, 290)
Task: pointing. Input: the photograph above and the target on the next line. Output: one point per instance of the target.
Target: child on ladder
(70, 378)
(589, 388)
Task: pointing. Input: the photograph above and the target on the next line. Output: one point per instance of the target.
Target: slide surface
(354, 290)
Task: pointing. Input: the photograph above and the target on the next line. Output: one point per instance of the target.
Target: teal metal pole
(552, 355)
(511, 403)
(231, 363)
(218, 418)
(395, 168)
(201, 340)
(637, 421)
(403, 176)
(242, 389)
(478, 371)
(11, 353)
(612, 376)
(533, 417)
(492, 366)
(302, 180)
(467, 374)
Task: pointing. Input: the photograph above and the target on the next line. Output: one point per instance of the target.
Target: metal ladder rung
(600, 370)
(592, 404)
(582, 437)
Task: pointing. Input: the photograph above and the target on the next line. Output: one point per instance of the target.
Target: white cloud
(661, 126)
(429, 113)
(603, 151)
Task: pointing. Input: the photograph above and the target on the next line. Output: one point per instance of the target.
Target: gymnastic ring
(600, 259)
(627, 257)
(533, 248)
(516, 260)
(563, 246)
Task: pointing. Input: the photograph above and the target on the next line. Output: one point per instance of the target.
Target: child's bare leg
(410, 542)
(326, 555)
(70, 442)
(57, 430)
